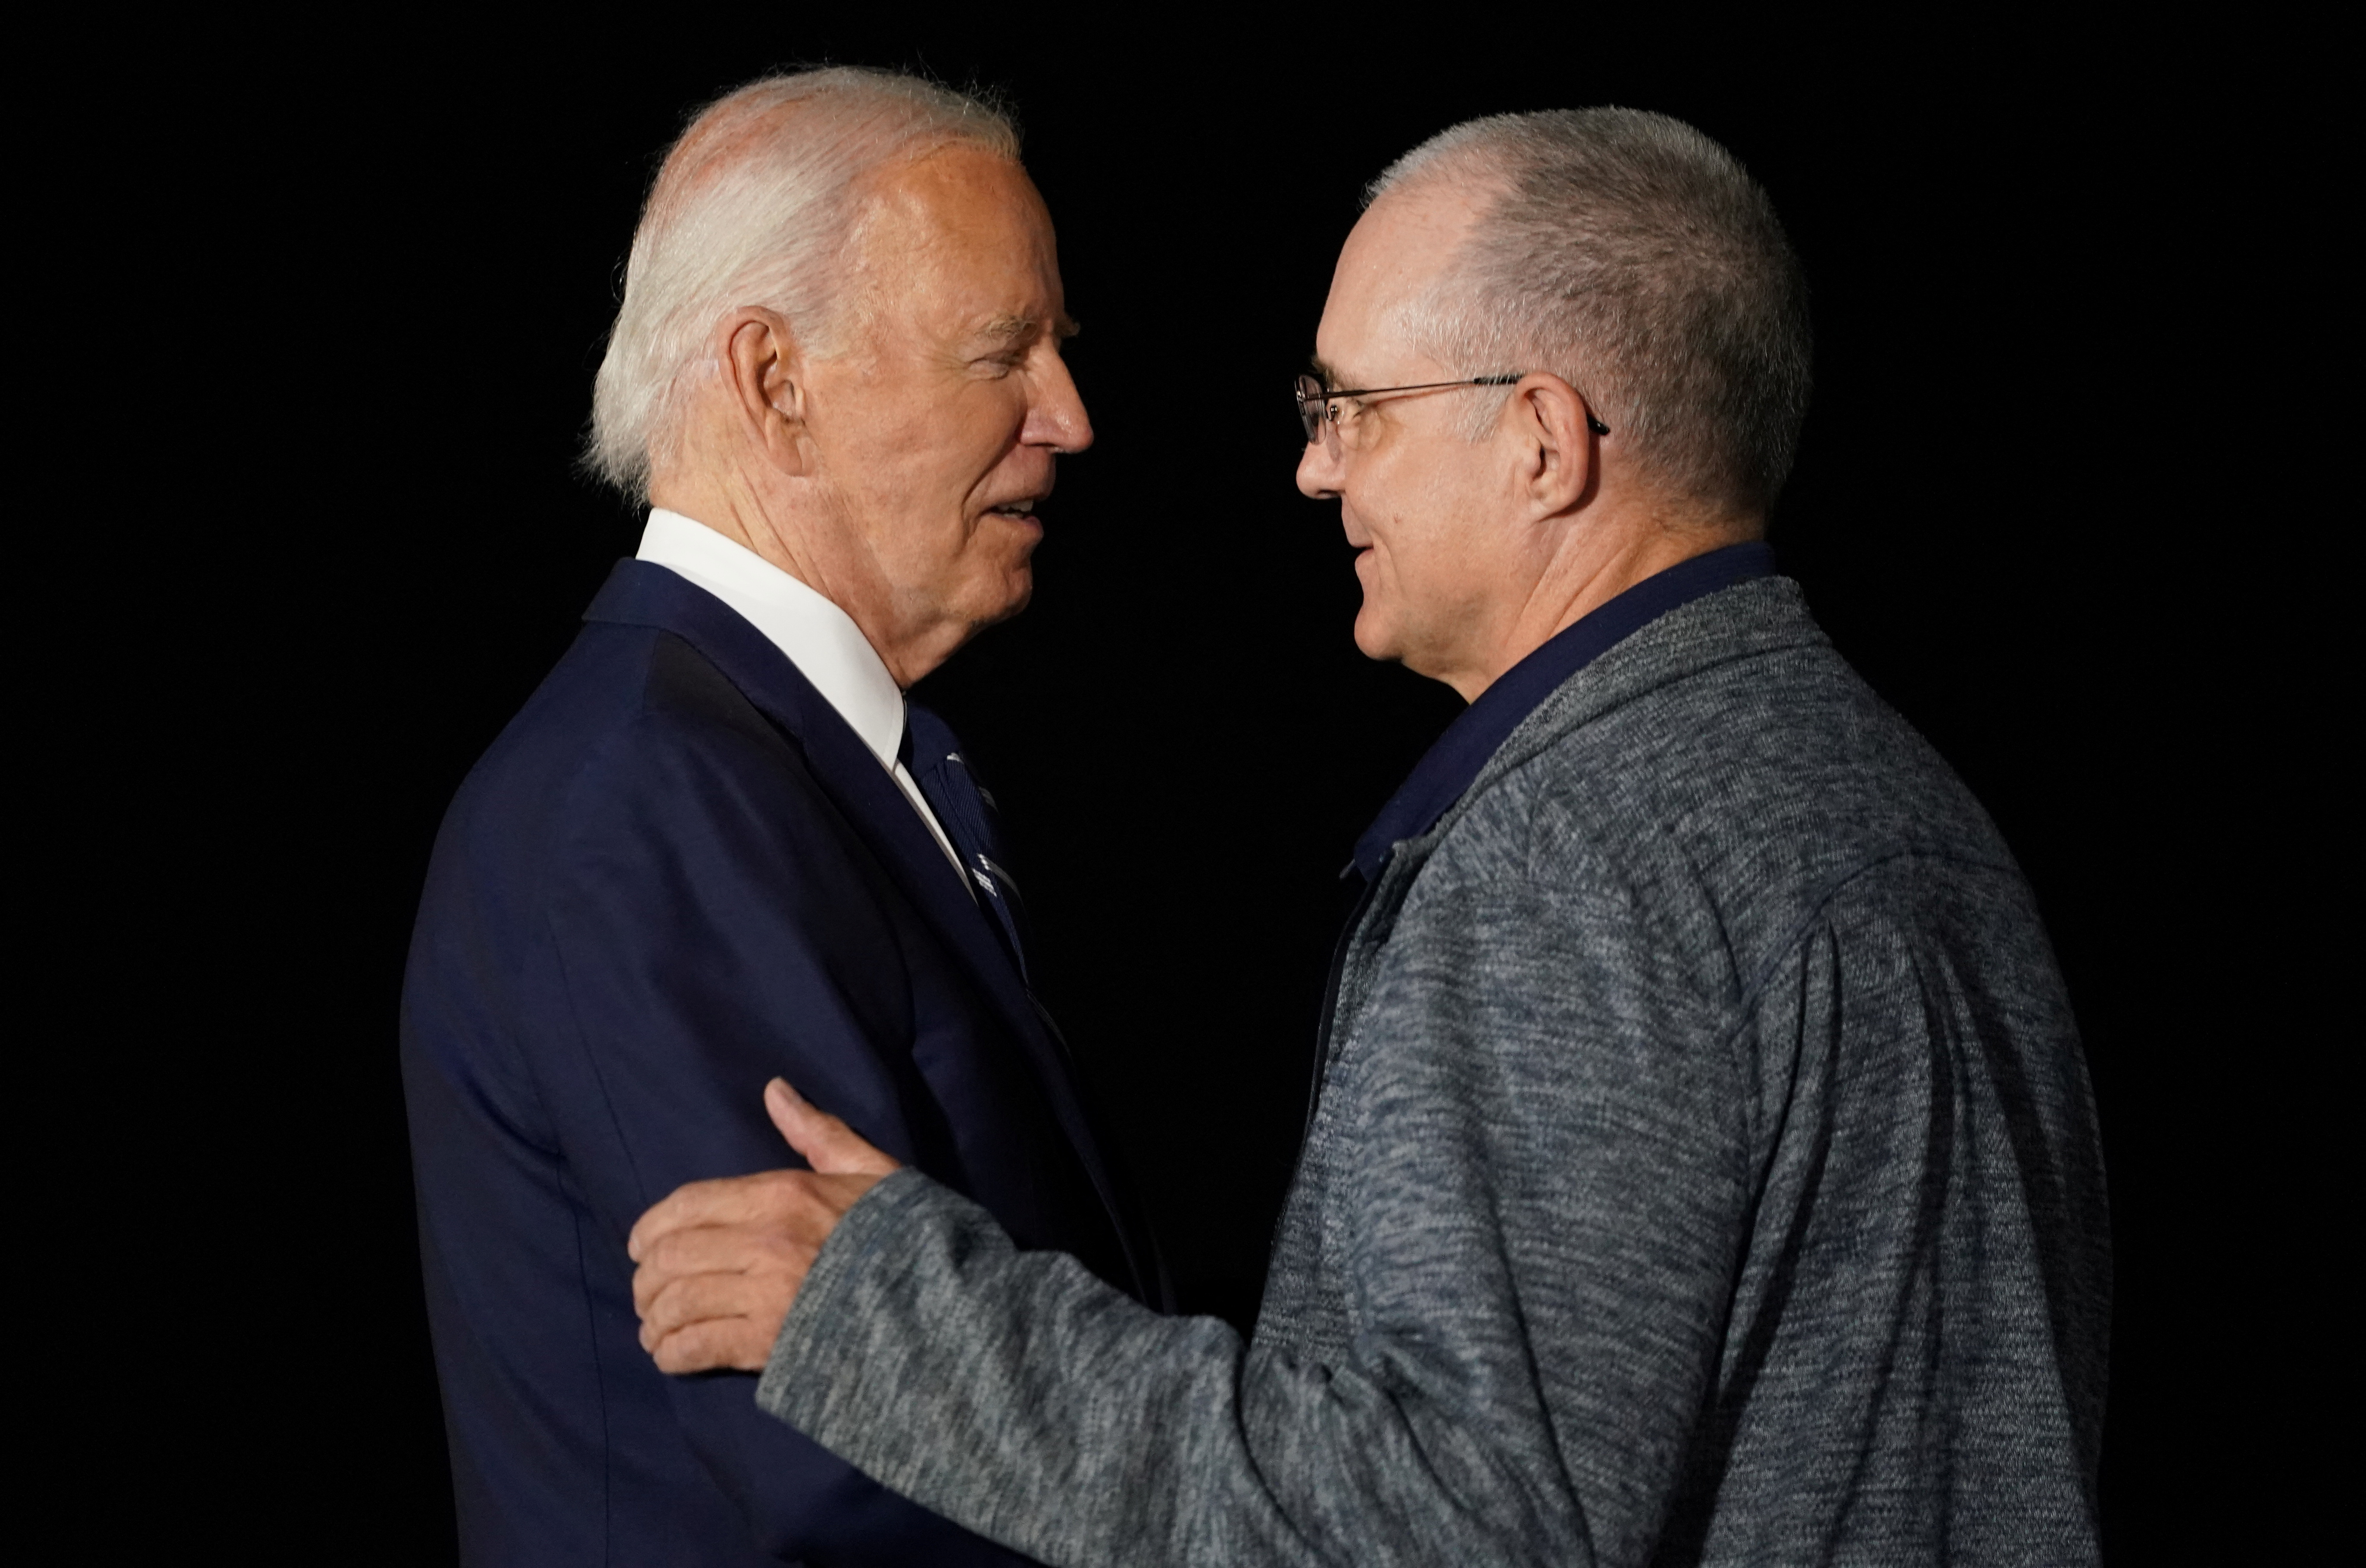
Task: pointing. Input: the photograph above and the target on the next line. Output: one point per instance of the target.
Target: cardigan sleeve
(1535, 1188)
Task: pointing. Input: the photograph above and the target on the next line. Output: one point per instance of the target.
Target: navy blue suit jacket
(677, 874)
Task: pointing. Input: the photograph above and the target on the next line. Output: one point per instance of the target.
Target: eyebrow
(1323, 373)
(1011, 329)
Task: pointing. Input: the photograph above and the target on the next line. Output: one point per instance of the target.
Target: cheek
(1431, 550)
(1403, 558)
(936, 458)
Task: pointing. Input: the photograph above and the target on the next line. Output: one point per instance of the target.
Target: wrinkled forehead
(960, 231)
(951, 190)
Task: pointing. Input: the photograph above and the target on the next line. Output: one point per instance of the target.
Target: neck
(802, 535)
(1594, 566)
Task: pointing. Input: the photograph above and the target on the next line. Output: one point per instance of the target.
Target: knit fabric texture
(1705, 1170)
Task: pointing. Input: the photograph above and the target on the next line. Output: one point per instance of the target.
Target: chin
(1015, 590)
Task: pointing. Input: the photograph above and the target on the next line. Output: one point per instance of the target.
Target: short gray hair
(756, 205)
(1635, 257)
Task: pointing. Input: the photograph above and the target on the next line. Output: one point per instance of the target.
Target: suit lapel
(640, 593)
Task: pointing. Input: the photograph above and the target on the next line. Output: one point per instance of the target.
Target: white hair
(756, 205)
(1634, 257)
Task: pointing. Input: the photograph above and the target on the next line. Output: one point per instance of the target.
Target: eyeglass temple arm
(1592, 423)
(1417, 387)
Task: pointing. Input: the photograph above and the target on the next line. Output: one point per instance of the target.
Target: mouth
(1022, 510)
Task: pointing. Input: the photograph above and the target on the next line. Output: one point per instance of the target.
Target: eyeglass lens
(1310, 407)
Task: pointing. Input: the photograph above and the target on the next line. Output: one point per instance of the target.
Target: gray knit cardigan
(1705, 1171)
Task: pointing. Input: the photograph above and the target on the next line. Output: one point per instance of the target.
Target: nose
(1055, 415)
(1319, 474)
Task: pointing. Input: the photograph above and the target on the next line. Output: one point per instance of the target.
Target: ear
(1560, 456)
(764, 381)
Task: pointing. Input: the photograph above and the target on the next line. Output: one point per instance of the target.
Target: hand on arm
(720, 1262)
(1527, 1206)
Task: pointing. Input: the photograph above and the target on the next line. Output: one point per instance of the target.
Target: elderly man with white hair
(716, 846)
(1703, 1168)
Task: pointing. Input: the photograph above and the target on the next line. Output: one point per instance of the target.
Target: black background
(2062, 499)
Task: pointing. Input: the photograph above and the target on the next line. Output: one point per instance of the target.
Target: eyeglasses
(1314, 407)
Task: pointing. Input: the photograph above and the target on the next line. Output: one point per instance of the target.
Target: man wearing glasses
(1703, 1166)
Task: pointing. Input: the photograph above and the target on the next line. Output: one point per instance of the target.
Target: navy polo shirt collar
(1438, 780)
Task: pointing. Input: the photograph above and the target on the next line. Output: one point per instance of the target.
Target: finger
(705, 1249)
(697, 1297)
(692, 1203)
(736, 1342)
(725, 1200)
(787, 1249)
(828, 1143)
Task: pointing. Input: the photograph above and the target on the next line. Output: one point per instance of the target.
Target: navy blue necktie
(931, 753)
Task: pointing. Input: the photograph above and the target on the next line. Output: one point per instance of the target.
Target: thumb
(829, 1145)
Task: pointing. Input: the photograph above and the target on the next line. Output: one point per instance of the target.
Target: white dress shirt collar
(820, 638)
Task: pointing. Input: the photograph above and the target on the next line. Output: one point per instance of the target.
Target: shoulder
(626, 700)
(1715, 778)
(623, 688)
(632, 742)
